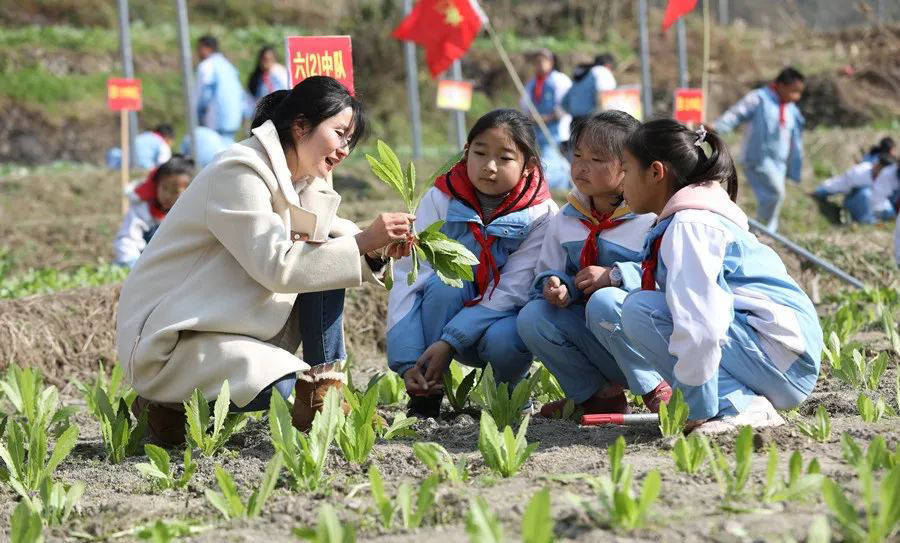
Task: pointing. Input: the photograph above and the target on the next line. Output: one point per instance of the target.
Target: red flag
(676, 9)
(445, 28)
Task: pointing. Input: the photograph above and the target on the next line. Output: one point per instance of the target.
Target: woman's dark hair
(312, 101)
(789, 75)
(177, 165)
(605, 133)
(674, 145)
(253, 80)
(266, 107)
(885, 145)
(521, 130)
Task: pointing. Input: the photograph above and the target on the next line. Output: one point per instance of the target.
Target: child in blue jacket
(593, 232)
(718, 315)
(496, 203)
(773, 148)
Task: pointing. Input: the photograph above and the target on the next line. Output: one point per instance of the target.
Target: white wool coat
(218, 281)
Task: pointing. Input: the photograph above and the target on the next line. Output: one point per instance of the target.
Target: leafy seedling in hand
(690, 453)
(401, 508)
(330, 529)
(229, 501)
(159, 469)
(537, 521)
(504, 407)
(482, 524)
(449, 259)
(819, 429)
(25, 459)
(224, 424)
(440, 463)
(457, 387)
(673, 415)
(504, 452)
(799, 484)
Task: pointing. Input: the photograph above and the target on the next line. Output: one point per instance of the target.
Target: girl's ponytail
(718, 166)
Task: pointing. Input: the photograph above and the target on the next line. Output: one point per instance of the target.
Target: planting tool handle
(618, 418)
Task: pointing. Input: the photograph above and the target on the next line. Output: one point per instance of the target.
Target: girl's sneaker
(759, 414)
(424, 407)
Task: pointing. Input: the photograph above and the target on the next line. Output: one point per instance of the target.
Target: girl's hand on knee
(415, 382)
(555, 292)
(435, 359)
(591, 279)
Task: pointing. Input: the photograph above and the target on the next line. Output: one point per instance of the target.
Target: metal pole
(646, 88)
(704, 76)
(803, 253)
(127, 67)
(187, 72)
(682, 53)
(723, 13)
(458, 118)
(412, 89)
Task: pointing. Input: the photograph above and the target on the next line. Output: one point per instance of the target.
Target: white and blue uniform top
(220, 97)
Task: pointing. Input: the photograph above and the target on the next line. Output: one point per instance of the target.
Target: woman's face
(266, 61)
(494, 162)
(320, 151)
(595, 174)
(642, 188)
(170, 187)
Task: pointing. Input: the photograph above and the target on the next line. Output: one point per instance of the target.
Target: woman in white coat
(251, 262)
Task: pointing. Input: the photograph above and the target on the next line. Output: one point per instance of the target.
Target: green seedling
(160, 471)
(845, 322)
(619, 473)
(504, 408)
(482, 524)
(876, 457)
(330, 529)
(357, 434)
(871, 411)
(673, 415)
(860, 372)
(110, 386)
(819, 429)
(890, 329)
(401, 427)
(449, 259)
(229, 501)
(55, 501)
(733, 480)
(304, 455)
(881, 507)
(391, 388)
(537, 521)
(627, 511)
(25, 458)
(224, 424)
(440, 463)
(504, 453)
(31, 401)
(799, 484)
(457, 387)
(166, 531)
(120, 434)
(690, 453)
(25, 525)
(401, 509)
(547, 389)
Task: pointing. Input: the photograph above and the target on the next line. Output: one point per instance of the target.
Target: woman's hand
(434, 362)
(593, 278)
(555, 292)
(386, 229)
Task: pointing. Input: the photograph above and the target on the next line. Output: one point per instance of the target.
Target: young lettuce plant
(819, 429)
(799, 484)
(547, 388)
(537, 521)
(357, 435)
(330, 529)
(482, 524)
(304, 454)
(457, 387)
(733, 480)
(504, 453)
(673, 415)
(229, 501)
(440, 463)
(31, 401)
(449, 259)
(690, 453)
(121, 436)
(110, 386)
(160, 471)
(25, 458)
(402, 507)
(504, 408)
(391, 389)
(876, 457)
(224, 424)
(871, 411)
(55, 501)
(400, 427)
(25, 525)
(881, 507)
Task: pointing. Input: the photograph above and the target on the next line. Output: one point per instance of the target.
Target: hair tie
(701, 135)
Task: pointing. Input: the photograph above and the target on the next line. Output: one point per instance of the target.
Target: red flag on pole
(676, 9)
(445, 28)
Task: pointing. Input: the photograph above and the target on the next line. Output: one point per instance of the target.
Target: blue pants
(767, 181)
(560, 338)
(499, 346)
(317, 321)
(744, 370)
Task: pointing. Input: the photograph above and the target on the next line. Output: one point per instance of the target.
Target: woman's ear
(299, 130)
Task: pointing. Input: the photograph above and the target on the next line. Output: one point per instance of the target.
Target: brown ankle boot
(166, 422)
(310, 397)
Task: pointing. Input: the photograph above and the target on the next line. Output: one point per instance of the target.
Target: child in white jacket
(149, 203)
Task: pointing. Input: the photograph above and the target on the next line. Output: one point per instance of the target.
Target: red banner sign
(320, 55)
(123, 94)
(689, 105)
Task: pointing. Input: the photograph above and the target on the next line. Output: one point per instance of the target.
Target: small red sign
(123, 94)
(689, 105)
(320, 55)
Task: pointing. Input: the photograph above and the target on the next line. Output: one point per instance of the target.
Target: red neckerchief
(538, 91)
(782, 106)
(146, 191)
(530, 191)
(589, 252)
(648, 266)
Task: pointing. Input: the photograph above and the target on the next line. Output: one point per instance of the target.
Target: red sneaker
(658, 395)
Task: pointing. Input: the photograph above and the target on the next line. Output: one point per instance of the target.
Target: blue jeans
(560, 338)
(858, 203)
(499, 346)
(744, 371)
(767, 181)
(316, 322)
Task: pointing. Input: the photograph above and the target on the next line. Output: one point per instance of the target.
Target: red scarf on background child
(146, 191)
(782, 106)
(530, 191)
(538, 91)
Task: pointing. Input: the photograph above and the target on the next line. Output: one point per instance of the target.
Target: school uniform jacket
(137, 228)
(713, 270)
(517, 247)
(565, 240)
